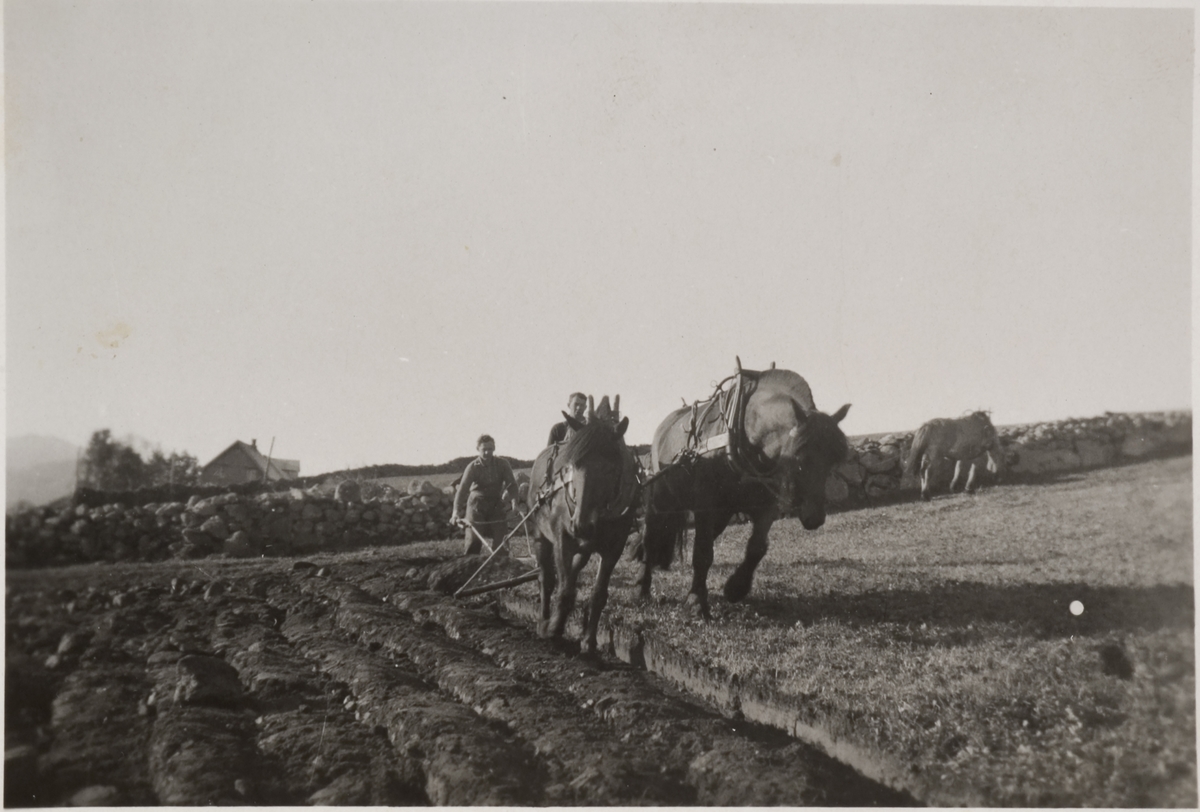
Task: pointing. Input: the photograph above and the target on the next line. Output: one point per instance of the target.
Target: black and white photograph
(555, 403)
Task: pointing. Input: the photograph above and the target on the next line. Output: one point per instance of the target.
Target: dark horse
(759, 447)
(583, 490)
(962, 439)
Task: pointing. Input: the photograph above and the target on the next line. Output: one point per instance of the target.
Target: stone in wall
(1046, 460)
(851, 473)
(1140, 444)
(836, 489)
(348, 491)
(1093, 453)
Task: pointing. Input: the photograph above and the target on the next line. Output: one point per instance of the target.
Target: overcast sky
(375, 230)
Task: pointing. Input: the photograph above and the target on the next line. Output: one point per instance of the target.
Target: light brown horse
(962, 439)
(583, 490)
(761, 448)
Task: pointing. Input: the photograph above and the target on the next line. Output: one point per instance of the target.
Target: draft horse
(760, 447)
(962, 439)
(583, 492)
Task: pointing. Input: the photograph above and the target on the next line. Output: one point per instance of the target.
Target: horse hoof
(734, 592)
(543, 628)
(698, 607)
(562, 644)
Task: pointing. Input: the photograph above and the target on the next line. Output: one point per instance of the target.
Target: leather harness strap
(729, 402)
(626, 490)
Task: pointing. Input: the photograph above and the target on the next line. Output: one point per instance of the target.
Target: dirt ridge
(260, 684)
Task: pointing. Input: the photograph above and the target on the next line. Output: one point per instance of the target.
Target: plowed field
(358, 682)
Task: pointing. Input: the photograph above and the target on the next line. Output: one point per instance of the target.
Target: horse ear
(616, 405)
(801, 417)
(840, 413)
(624, 424)
(591, 409)
(575, 425)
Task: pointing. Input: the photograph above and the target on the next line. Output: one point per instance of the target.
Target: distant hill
(455, 466)
(38, 469)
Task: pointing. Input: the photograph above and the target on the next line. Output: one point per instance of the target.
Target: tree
(176, 469)
(112, 465)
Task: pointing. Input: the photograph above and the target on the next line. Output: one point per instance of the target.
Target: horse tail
(919, 443)
(661, 533)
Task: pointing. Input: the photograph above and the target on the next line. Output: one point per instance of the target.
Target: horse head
(803, 447)
(592, 468)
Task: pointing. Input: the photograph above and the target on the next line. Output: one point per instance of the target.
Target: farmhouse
(243, 462)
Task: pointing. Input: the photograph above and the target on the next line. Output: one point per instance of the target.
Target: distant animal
(583, 492)
(760, 447)
(962, 439)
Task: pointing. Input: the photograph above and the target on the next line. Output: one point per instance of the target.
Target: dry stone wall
(247, 524)
(230, 524)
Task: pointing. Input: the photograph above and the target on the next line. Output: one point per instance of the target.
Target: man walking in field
(484, 493)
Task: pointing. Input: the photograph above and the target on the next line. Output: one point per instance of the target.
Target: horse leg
(569, 567)
(646, 578)
(702, 558)
(545, 559)
(608, 561)
(738, 585)
(926, 470)
(958, 470)
(643, 582)
(972, 478)
(658, 535)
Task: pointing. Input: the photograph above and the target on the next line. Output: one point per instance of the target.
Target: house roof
(280, 469)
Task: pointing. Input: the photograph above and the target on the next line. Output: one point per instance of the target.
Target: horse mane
(597, 437)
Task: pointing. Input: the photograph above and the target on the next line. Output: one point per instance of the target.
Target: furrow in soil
(585, 762)
(465, 760)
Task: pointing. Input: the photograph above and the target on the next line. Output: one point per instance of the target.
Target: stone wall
(237, 525)
(874, 469)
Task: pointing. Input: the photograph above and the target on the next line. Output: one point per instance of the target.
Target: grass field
(942, 633)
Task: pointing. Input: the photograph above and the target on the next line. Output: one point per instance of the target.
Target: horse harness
(726, 408)
(560, 481)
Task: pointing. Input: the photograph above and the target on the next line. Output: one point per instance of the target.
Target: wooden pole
(520, 579)
(267, 472)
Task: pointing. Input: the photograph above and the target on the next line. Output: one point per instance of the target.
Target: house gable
(243, 462)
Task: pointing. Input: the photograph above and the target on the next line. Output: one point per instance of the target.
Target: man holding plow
(484, 494)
